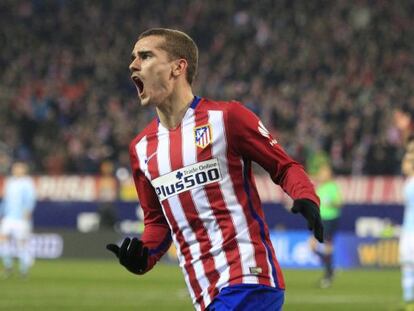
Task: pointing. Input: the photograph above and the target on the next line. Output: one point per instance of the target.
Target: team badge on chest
(203, 136)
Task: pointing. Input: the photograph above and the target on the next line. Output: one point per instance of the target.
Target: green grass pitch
(104, 285)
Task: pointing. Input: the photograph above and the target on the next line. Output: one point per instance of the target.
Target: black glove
(132, 254)
(310, 211)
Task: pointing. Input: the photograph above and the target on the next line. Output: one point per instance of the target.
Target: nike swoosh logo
(150, 157)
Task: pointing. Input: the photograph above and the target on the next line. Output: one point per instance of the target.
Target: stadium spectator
(404, 122)
(19, 200)
(107, 194)
(192, 169)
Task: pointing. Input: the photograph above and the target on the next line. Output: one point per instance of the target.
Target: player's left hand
(310, 211)
(132, 254)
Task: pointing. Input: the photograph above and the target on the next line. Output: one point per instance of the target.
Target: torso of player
(189, 168)
(329, 194)
(200, 181)
(187, 161)
(19, 197)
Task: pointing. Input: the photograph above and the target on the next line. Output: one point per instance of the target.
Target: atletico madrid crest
(202, 135)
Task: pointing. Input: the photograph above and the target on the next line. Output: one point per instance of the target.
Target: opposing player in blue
(407, 232)
(16, 210)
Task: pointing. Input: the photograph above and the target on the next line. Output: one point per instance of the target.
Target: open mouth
(138, 84)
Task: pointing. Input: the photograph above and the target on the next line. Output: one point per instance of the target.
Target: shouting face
(152, 71)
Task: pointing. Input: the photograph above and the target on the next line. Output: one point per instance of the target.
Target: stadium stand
(323, 76)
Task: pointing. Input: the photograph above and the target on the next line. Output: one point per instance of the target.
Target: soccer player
(403, 118)
(407, 232)
(16, 210)
(330, 209)
(192, 167)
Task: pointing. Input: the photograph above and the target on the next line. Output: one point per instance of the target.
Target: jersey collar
(195, 102)
(193, 105)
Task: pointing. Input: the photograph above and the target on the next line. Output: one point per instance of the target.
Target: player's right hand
(132, 254)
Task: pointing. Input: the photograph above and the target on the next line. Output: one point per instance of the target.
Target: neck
(172, 110)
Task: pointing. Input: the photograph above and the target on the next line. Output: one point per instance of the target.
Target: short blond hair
(178, 45)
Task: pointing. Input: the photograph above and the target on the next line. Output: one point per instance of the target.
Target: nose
(135, 65)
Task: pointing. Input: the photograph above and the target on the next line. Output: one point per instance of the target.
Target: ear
(179, 67)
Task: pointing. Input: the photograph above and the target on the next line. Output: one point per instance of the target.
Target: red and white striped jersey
(195, 184)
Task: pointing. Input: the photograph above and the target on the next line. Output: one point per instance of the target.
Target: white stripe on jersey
(141, 150)
(205, 212)
(239, 220)
(164, 167)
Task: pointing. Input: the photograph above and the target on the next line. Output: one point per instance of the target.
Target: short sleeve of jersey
(252, 141)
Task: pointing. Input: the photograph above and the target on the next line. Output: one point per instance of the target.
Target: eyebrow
(141, 53)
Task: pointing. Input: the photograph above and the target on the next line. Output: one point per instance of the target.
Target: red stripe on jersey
(185, 250)
(184, 247)
(191, 212)
(223, 217)
(236, 175)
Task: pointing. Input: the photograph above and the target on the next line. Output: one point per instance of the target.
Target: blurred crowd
(324, 76)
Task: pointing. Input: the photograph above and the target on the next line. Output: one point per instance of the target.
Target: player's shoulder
(235, 113)
(150, 129)
(223, 105)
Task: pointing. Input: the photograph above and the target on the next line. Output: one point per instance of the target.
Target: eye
(145, 56)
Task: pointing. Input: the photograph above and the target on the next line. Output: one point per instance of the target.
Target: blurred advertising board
(292, 248)
(41, 245)
(65, 244)
(293, 251)
(355, 190)
(74, 188)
